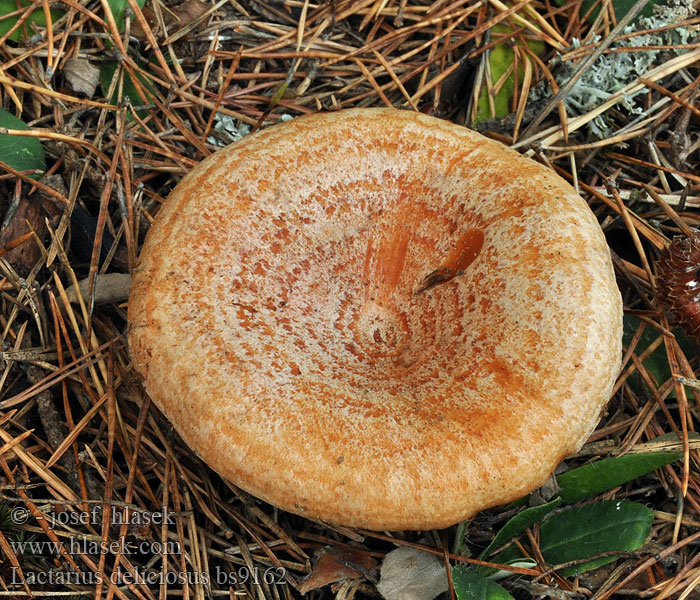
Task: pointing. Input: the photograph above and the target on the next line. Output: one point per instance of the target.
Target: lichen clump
(613, 70)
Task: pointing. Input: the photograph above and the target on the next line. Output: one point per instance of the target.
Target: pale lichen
(613, 70)
(227, 130)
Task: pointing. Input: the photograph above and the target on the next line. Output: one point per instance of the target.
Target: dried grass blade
(524, 93)
(37, 467)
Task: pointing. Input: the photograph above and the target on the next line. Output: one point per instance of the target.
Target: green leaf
(673, 437)
(511, 556)
(657, 362)
(37, 17)
(129, 90)
(519, 523)
(500, 60)
(585, 532)
(21, 153)
(470, 585)
(602, 475)
(117, 7)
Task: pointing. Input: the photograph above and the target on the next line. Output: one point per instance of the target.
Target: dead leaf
(186, 13)
(333, 564)
(17, 247)
(82, 76)
(411, 574)
(175, 17)
(138, 32)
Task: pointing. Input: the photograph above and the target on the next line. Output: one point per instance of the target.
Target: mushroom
(376, 318)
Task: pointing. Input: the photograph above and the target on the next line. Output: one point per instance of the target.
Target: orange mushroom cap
(377, 318)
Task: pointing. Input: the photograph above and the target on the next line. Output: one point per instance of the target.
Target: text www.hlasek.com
(86, 546)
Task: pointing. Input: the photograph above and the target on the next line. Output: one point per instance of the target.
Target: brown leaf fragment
(187, 13)
(82, 76)
(175, 17)
(337, 564)
(18, 249)
(152, 21)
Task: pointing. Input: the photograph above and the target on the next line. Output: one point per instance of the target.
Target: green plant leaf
(37, 17)
(657, 362)
(129, 90)
(519, 523)
(470, 585)
(673, 437)
(579, 533)
(511, 556)
(21, 153)
(602, 475)
(500, 60)
(117, 7)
